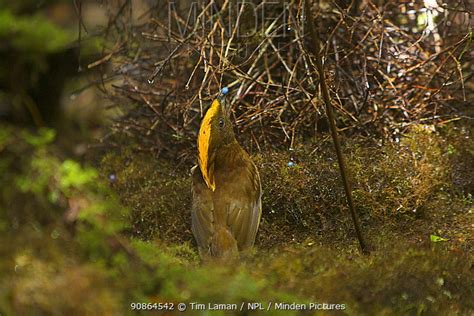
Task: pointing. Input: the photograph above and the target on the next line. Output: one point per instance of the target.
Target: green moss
(34, 34)
(43, 137)
(59, 289)
(157, 193)
(395, 280)
(395, 185)
(74, 176)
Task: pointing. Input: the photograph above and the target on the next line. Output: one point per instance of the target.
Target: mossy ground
(78, 240)
(408, 190)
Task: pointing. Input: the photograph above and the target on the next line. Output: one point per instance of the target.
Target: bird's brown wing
(245, 208)
(239, 208)
(202, 212)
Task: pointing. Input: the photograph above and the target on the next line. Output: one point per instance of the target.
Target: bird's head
(215, 132)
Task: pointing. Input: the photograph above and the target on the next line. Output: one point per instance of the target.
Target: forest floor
(93, 238)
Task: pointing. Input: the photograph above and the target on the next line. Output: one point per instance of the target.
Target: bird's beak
(224, 104)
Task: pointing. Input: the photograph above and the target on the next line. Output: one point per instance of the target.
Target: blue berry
(225, 90)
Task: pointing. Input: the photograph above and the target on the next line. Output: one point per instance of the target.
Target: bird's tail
(223, 244)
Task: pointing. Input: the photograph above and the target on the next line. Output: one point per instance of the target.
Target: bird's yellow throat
(204, 139)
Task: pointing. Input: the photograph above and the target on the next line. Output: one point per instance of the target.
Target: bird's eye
(221, 122)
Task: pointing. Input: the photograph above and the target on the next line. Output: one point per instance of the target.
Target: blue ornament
(225, 90)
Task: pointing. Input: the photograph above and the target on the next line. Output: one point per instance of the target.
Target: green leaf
(435, 238)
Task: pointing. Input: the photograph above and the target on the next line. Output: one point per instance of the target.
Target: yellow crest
(204, 142)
